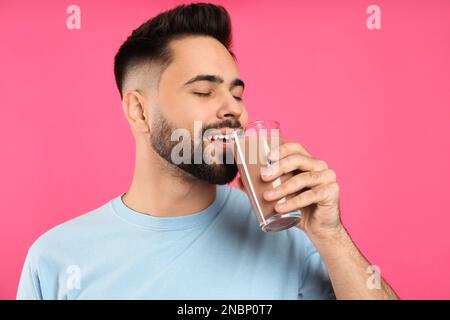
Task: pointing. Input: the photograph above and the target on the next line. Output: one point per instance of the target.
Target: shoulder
(69, 234)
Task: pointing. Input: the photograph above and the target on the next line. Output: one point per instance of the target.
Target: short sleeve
(315, 283)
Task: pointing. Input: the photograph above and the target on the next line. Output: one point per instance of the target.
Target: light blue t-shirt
(114, 252)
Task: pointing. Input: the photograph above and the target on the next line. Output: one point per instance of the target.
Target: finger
(309, 179)
(287, 149)
(319, 195)
(291, 163)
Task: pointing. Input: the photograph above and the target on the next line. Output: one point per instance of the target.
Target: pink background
(374, 104)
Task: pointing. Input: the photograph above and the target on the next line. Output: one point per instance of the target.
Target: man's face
(201, 84)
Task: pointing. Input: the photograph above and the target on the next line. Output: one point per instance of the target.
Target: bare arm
(347, 268)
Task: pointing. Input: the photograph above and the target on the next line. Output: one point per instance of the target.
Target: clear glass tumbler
(251, 149)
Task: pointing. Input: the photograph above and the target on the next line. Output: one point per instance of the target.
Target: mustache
(227, 123)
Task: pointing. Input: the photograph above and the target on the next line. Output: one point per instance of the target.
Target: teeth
(221, 137)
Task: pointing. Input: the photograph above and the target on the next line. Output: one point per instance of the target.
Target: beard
(214, 173)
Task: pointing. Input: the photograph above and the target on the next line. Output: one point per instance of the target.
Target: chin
(212, 173)
(220, 174)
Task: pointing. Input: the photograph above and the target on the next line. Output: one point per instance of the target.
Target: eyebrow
(216, 79)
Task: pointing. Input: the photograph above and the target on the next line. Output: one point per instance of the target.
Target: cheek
(199, 111)
(180, 109)
(244, 118)
(193, 117)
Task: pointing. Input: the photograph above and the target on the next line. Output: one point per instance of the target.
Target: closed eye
(207, 94)
(203, 94)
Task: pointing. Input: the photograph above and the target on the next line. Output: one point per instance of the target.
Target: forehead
(200, 55)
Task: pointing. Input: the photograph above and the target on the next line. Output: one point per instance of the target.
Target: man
(180, 232)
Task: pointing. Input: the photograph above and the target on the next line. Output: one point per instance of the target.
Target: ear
(135, 112)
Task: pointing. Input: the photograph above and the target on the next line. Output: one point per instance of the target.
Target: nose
(230, 108)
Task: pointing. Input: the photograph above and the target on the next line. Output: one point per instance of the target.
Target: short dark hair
(150, 41)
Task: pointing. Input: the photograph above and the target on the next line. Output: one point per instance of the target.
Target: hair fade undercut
(150, 42)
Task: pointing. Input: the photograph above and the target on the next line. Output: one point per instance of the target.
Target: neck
(161, 189)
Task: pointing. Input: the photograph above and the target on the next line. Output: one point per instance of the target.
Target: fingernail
(270, 194)
(269, 171)
(273, 155)
(265, 175)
